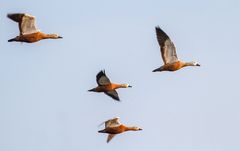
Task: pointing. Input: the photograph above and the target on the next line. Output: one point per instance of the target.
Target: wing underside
(102, 79)
(168, 50)
(26, 23)
(113, 94)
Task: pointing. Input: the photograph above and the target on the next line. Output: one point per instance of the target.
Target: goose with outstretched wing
(114, 127)
(169, 55)
(28, 30)
(105, 85)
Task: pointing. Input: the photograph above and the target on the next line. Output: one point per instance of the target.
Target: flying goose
(28, 30)
(169, 55)
(105, 85)
(113, 127)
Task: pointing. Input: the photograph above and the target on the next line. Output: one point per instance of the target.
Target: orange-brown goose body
(118, 129)
(169, 55)
(34, 37)
(114, 130)
(113, 127)
(28, 30)
(108, 87)
(105, 85)
(174, 66)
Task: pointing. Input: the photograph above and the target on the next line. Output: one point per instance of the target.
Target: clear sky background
(44, 103)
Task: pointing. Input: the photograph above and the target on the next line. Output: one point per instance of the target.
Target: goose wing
(112, 122)
(102, 79)
(113, 94)
(110, 136)
(26, 23)
(168, 49)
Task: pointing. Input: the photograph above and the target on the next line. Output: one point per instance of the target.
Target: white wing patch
(28, 25)
(169, 52)
(112, 122)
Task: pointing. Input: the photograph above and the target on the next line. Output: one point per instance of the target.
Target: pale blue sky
(44, 103)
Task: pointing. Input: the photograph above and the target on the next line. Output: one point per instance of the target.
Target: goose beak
(140, 129)
(130, 86)
(60, 37)
(198, 65)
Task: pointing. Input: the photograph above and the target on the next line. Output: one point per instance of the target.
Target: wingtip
(102, 72)
(157, 27)
(8, 15)
(117, 99)
(15, 16)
